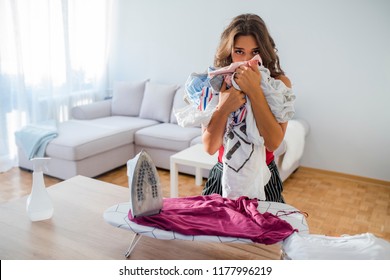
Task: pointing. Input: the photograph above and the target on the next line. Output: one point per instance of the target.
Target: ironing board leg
(133, 243)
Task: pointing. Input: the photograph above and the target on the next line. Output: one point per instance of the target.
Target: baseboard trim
(347, 176)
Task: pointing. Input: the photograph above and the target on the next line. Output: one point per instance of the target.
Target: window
(53, 56)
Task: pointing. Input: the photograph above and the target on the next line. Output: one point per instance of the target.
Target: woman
(246, 36)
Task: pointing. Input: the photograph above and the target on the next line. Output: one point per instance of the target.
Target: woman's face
(245, 48)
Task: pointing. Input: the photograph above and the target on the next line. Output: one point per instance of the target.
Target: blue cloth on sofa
(34, 138)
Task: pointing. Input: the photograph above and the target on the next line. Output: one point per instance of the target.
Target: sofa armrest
(294, 139)
(94, 110)
(281, 149)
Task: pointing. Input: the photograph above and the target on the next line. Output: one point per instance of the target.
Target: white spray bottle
(39, 205)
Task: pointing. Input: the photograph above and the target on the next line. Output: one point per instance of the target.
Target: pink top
(215, 215)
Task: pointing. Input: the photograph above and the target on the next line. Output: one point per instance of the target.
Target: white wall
(336, 52)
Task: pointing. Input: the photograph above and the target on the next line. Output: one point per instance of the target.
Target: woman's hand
(231, 99)
(248, 78)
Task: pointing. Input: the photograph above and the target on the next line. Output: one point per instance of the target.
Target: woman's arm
(230, 100)
(249, 80)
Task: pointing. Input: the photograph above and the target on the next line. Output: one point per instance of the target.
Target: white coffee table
(193, 156)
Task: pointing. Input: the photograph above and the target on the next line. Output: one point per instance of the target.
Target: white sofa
(104, 135)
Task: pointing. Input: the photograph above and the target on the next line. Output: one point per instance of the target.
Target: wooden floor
(336, 204)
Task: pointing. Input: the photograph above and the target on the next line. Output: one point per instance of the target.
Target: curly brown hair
(249, 24)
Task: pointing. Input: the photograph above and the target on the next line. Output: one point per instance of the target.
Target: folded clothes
(365, 246)
(34, 138)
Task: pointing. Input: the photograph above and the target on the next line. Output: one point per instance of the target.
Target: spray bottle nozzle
(40, 164)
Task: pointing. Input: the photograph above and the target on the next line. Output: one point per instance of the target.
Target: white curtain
(53, 56)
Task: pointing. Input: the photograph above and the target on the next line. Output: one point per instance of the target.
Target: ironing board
(117, 216)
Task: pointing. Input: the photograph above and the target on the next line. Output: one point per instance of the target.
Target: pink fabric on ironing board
(215, 215)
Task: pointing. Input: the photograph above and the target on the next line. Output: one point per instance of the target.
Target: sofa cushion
(99, 109)
(81, 139)
(166, 136)
(127, 98)
(122, 122)
(157, 102)
(178, 103)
